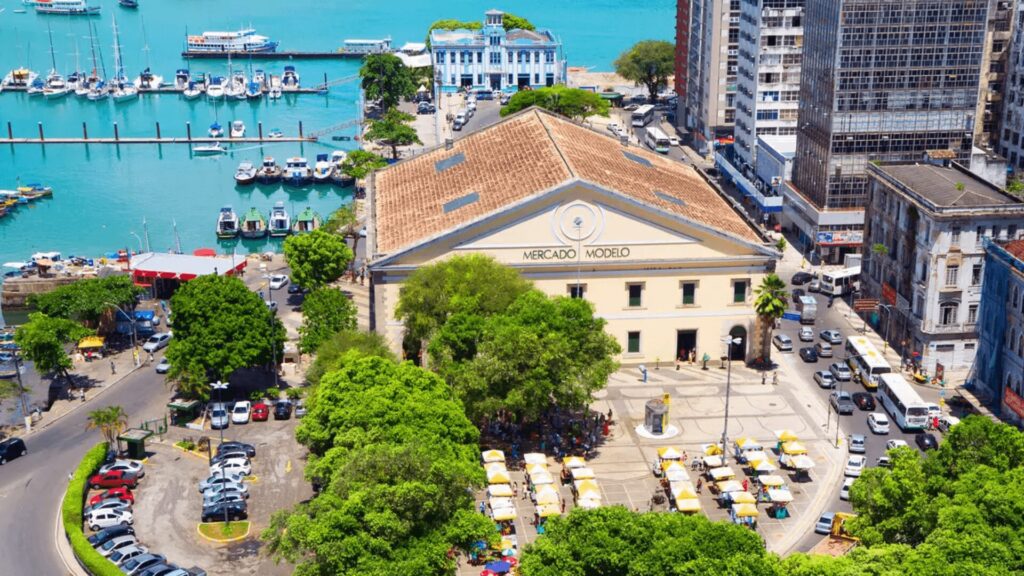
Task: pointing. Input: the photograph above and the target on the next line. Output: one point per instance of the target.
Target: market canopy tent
(669, 453)
(493, 456)
(572, 462)
(164, 272)
(535, 458)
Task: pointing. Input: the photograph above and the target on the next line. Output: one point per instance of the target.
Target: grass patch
(186, 445)
(224, 530)
(71, 514)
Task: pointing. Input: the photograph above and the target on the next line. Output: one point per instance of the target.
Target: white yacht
(237, 129)
(297, 172)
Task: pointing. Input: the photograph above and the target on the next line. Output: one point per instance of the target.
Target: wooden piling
(117, 135)
(10, 134)
(41, 137)
(259, 128)
(300, 128)
(188, 131)
(85, 132)
(158, 131)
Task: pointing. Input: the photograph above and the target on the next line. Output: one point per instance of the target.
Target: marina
(215, 134)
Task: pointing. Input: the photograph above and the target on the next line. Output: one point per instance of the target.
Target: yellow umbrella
(542, 478)
(744, 510)
(573, 462)
(583, 485)
(672, 465)
(535, 458)
(548, 510)
(793, 448)
(772, 480)
(743, 498)
(494, 456)
(711, 449)
(533, 468)
(547, 498)
(688, 505)
(504, 514)
(730, 486)
(669, 453)
(582, 474)
(682, 490)
(498, 477)
(545, 489)
(500, 490)
(499, 466)
(785, 435)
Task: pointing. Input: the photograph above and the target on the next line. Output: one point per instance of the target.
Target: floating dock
(159, 138)
(170, 89)
(287, 55)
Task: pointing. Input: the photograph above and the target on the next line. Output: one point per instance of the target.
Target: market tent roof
(500, 490)
(548, 510)
(585, 485)
(495, 467)
(688, 505)
(744, 510)
(504, 514)
(582, 473)
(755, 455)
(682, 490)
(545, 489)
(588, 494)
(763, 466)
(771, 480)
(535, 468)
(711, 449)
(498, 477)
(785, 435)
(723, 473)
(493, 456)
(542, 478)
(730, 486)
(501, 503)
(747, 443)
(802, 462)
(670, 465)
(793, 448)
(535, 458)
(574, 462)
(781, 496)
(677, 476)
(588, 503)
(547, 498)
(670, 453)
(743, 498)
(713, 461)
(92, 342)
(183, 266)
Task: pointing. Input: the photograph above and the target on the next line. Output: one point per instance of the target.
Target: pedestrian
(483, 507)
(693, 356)
(563, 506)
(745, 484)
(775, 378)
(515, 489)
(700, 484)
(764, 378)
(609, 413)
(113, 369)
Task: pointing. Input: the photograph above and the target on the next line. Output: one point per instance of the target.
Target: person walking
(113, 368)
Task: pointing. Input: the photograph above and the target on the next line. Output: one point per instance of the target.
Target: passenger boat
(339, 177)
(323, 169)
(269, 172)
(18, 78)
(245, 174)
(227, 223)
(254, 225)
(290, 79)
(148, 81)
(280, 224)
(238, 129)
(225, 42)
(192, 91)
(182, 79)
(297, 172)
(216, 130)
(306, 221)
(214, 149)
(65, 7)
(215, 89)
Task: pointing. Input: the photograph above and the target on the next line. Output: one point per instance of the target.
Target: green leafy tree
(472, 283)
(393, 130)
(44, 341)
(1015, 187)
(385, 78)
(87, 300)
(510, 21)
(219, 326)
(770, 303)
(359, 163)
(345, 223)
(648, 63)
(781, 244)
(316, 259)
(110, 421)
(570, 102)
(879, 249)
(325, 312)
(345, 345)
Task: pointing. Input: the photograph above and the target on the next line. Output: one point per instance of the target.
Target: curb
(248, 529)
(64, 547)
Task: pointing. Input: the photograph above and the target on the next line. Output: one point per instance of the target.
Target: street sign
(865, 304)
(791, 316)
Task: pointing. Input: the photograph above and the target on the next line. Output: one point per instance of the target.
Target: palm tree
(770, 303)
(110, 421)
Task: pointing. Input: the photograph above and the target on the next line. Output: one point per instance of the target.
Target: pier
(170, 89)
(288, 55)
(159, 138)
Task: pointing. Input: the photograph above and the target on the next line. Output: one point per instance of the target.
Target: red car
(113, 479)
(260, 412)
(119, 493)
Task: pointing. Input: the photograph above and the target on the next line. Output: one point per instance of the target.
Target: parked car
(219, 416)
(282, 410)
(801, 278)
(854, 465)
(163, 366)
(233, 486)
(140, 563)
(249, 449)
(425, 108)
(926, 441)
(240, 412)
(783, 343)
(844, 492)
(12, 448)
(295, 289)
(840, 371)
(127, 553)
(108, 504)
(947, 422)
(933, 410)
(824, 379)
(223, 496)
(114, 544)
(300, 409)
(883, 462)
(808, 355)
(229, 455)
(233, 510)
(824, 523)
(232, 467)
(119, 493)
(113, 479)
(278, 281)
(878, 423)
(806, 334)
(107, 518)
(831, 336)
(857, 444)
(260, 412)
(161, 569)
(216, 480)
(895, 443)
(157, 341)
(126, 465)
(107, 533)
(272, 305)
(823, 349)
(864, 401)
(841, 401)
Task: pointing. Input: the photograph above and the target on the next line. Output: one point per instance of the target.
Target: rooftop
(784, 146)
(1016, 248)
(523, 157)
(947, 187)
(183, 266)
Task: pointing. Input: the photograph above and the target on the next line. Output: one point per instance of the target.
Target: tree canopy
(219, 326)
(335, 351)
(386, 78)
(110, 421)
(393, 130)
(359, 163)
(317, 258)
(648, 63)
(44, 339)
(87, 300)
(509, 22)
(325, 312)
(570, 102)
(770, 303)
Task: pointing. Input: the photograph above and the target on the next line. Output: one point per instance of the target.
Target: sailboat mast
(118, 65)
(53, 56)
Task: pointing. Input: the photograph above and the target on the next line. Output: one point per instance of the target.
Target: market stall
(745, 514)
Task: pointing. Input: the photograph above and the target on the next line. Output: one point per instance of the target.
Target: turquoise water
(103, 193)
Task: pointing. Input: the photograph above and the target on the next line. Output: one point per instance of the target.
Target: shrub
(71, 514)
(294, 393)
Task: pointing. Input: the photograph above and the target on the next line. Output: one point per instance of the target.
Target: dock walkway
(152, 140)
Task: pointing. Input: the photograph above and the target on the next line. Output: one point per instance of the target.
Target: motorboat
(148, 81)
(18, 78)
(216, 130)
(215, 89)
(297, 172)
(36, 87)
(338, 176)
(254, 224)
(274, 93)
(57, 91)
(214, 149)
(323, 169)
(280, 224)
(290, 79)
(192, 91)
(65, 7)
(182, 79)
(245, 174)
(253, 90)
(227, 223)
(268, 172)
(237, 129)
(128, 3)
(275, 134)
(306, 221)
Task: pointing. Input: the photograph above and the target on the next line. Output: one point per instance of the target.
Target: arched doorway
(739, 349)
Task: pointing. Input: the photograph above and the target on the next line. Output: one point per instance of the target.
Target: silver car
(115, 544)
(223, 496)
(783, 343)
(219, 417)
(824, 379)
(840, 371)
(216, 481)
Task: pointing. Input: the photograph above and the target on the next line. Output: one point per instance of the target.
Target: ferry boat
(297, 172)
(224, 42)
(254, 225)
(245, 174)
(290, 79)
(306, 221)
(280, 224)
(66, 7)
(237, 129)
(227, 223)
(323, 169)
(269, 172)
(18, 78)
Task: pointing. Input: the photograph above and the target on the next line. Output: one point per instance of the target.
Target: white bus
(643, 115)
(841, 281)
(657, 140)
(866, 363)
(902, 402)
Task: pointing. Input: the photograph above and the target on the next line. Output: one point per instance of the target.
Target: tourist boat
(214, 149)
(121, 90)
(36, 87)
(128, 3)
(253, 90)
(238, 129)
(182, 79)
(323, 169)
(245, 174)
(227, 223)
(280, 224)
(148, 81)
(290, 79)
(216, 130)
(18, 78)
(275, 134)
(269, 172)
(338, 176)
(297, 172)
(306, 221)
(215, 89)
(226, 42)
(254, 224)
(66, 7)
(192, 91)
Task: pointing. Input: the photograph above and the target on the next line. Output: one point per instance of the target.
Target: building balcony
(959, 328)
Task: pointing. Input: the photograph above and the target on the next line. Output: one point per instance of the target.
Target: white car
(807, 334)
(894, 444)
(878, 423)
(278, 281)
(231, 467)
(854, 466)
(157, 341)
(115, 544)
(933, 411)
(947, 422)
(783, 343)
(101, 519)
(613, 128)
(673, 140)
(844, 492)
(126, 465)
(240, 413)
(164, 366)
(216, 480)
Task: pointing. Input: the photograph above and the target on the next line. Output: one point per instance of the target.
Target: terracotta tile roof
(526, 155)
(1015, 247)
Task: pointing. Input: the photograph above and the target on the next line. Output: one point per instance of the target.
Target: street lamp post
(888, 321)
(220, 387)
(729, 341)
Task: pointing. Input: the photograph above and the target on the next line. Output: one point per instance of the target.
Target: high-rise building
(682, 54)
(881, 80)
(713, 50)
(995, 65)
(1010, 145)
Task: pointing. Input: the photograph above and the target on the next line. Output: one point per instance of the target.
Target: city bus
(643, 115)
(657, 140)
(866, 363)
(841, 281)
(902, 402)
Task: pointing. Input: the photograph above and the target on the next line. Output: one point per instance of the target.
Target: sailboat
(280, 224)
(306, 221)
(88, 86)
(74, 80)
(147, 80)
(121, 89)
(55, 85)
